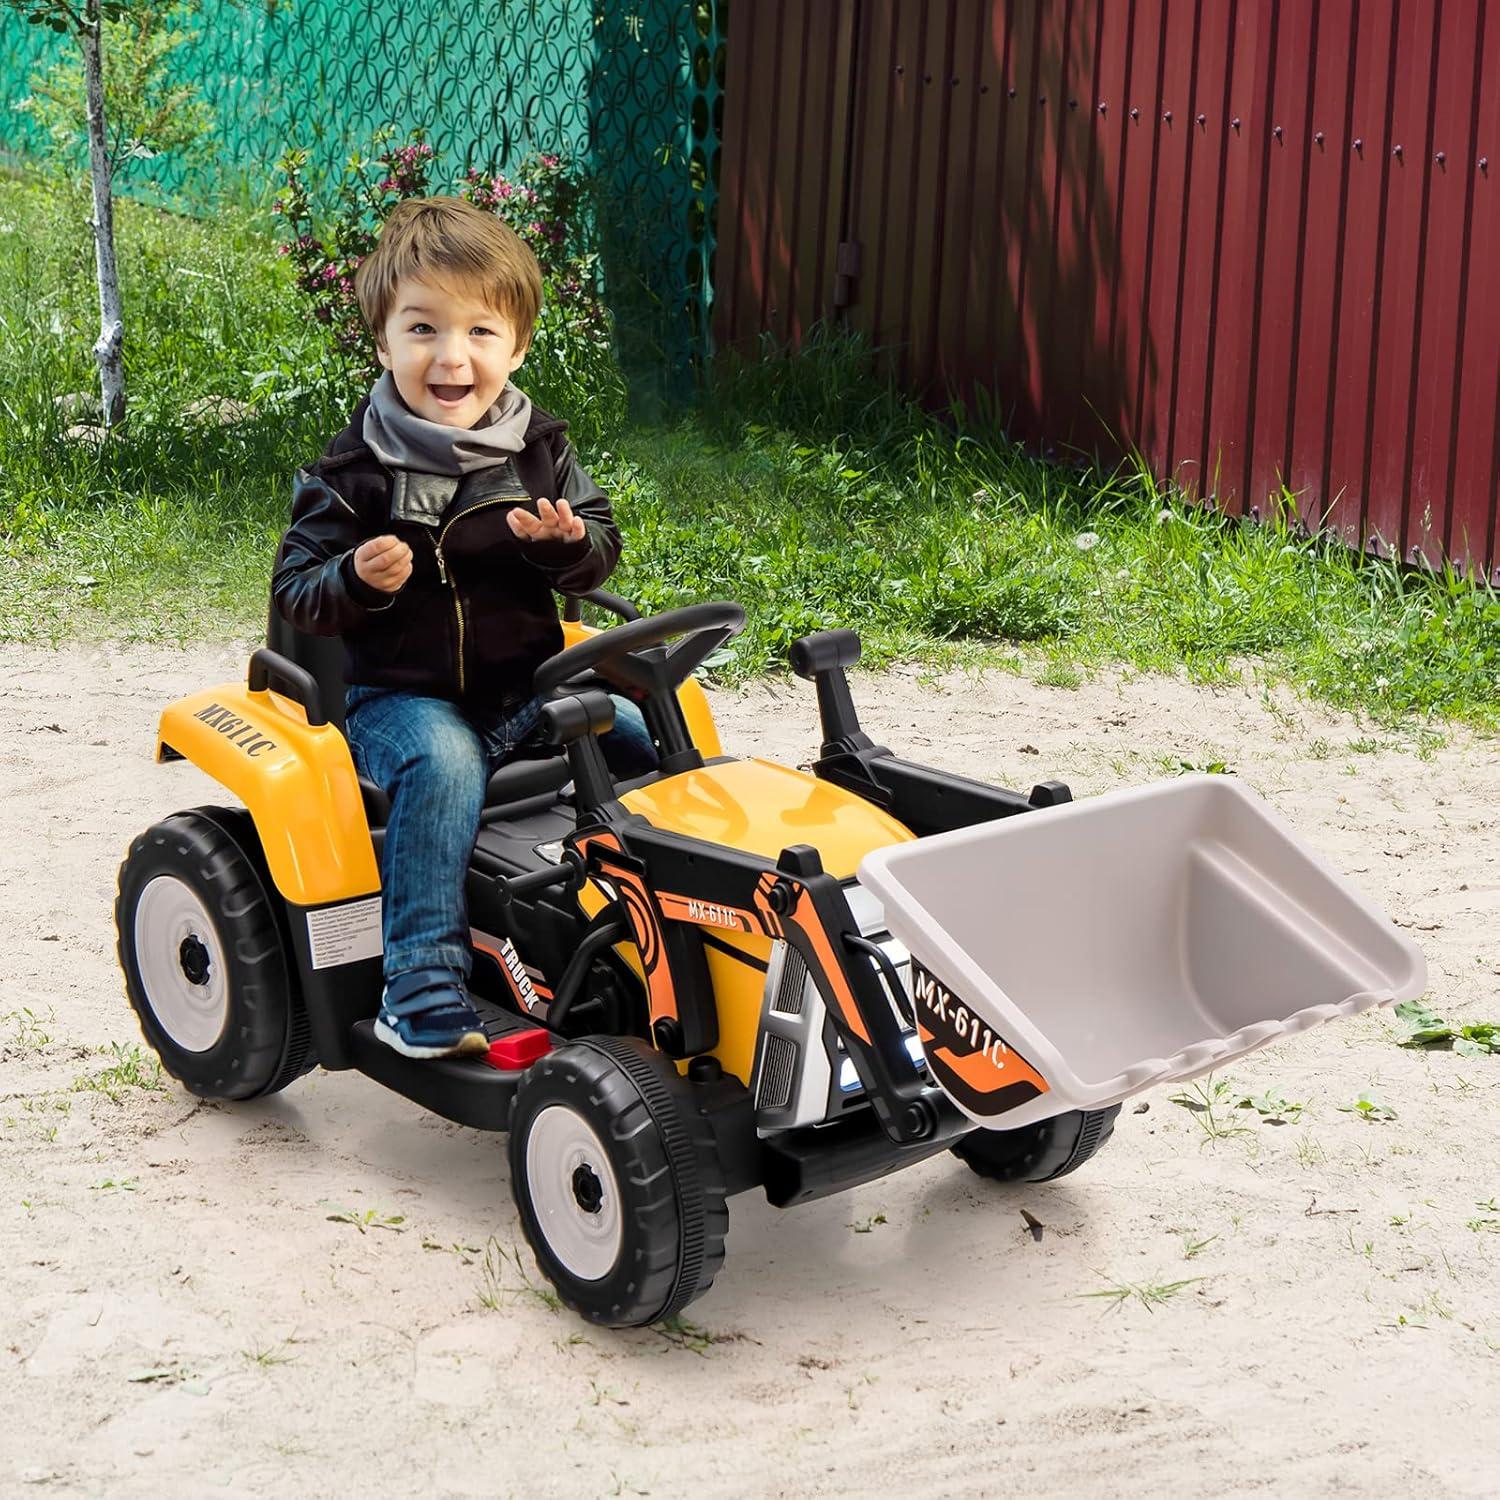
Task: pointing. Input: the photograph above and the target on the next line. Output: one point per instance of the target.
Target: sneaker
(427, 1014)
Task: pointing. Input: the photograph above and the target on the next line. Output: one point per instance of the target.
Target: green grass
(133, 1068)
(807, 489)
(1150, 1294)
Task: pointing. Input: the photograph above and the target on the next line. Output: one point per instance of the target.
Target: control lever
(567, 876)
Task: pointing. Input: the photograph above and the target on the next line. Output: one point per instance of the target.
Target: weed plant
(807, 488)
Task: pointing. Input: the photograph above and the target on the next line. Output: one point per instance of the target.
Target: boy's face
(449, 353)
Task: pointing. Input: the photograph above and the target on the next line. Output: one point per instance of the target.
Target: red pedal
(518, 1049)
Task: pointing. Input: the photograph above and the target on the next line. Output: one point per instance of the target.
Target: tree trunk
(111, 325)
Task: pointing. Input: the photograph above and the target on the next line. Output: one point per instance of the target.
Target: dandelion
(1086, 541)
(1163, 516)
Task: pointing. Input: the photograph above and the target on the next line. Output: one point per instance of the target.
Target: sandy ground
(182, 1316)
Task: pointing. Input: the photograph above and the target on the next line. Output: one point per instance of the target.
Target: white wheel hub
(181, 962)
(574, 1192)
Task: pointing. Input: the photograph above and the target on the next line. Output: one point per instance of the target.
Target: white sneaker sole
(471, 1044)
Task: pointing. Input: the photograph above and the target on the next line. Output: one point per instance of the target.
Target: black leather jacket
(477, 615)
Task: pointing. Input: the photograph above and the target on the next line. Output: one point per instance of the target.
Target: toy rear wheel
(205, 960)
(1040, 1152)
(617, 1182)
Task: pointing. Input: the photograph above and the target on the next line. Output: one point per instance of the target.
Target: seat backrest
(322, 655)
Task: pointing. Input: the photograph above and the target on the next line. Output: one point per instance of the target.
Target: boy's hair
(446, 240)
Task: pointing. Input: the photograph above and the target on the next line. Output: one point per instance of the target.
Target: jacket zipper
(458, 608)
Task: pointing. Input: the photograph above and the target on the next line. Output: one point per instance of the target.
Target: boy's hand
(384, 562)
(549, 524)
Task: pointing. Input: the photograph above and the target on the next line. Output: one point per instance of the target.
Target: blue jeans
(433, 761)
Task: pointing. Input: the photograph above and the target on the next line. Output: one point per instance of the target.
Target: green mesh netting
(632, 89)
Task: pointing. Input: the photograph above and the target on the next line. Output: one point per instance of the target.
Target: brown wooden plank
(1330, 162)
(1399, 293)
(1137, 227)
(745, 177)
(1070, 317)
(1474, 470)
(965, 258)
(1103, 386)
(1201, 247)
(1177, 137)
(931, 196)
(1369, 151)
(1282, 218)
(1443, 271)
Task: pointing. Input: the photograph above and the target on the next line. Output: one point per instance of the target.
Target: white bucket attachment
(1070, 957)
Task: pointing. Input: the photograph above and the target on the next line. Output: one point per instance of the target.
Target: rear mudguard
(299, 784)
(297, 781)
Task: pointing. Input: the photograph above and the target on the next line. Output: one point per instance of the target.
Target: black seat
(539, 768)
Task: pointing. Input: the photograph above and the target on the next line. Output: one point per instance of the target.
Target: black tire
(1038, 1153)
(605, 1120)
(227, 938)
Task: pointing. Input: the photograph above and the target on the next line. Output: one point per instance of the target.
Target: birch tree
(84, 21)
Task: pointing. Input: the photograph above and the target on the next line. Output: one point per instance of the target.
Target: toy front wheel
(205, 963)
(617, 1182)
(1040, 1152)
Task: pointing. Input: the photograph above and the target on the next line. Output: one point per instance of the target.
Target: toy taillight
(518, 1049)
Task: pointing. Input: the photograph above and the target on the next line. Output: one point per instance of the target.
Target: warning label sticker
(344, 934)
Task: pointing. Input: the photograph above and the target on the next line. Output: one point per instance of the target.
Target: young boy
(430, 536)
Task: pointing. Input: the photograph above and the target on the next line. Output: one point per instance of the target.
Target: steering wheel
(619, 654)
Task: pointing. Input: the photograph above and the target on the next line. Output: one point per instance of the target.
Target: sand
(183, 1316)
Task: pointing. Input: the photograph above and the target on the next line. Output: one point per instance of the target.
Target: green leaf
(1484, 1034)
(1367, 1109)
(1423, 1026)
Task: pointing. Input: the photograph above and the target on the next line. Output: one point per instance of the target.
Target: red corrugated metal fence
(1257, 240)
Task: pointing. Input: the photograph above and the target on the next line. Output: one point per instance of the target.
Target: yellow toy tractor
(728, 974)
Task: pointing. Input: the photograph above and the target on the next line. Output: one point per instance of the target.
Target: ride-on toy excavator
(729, 974)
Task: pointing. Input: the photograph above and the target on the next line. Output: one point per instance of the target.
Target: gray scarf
(430, 458)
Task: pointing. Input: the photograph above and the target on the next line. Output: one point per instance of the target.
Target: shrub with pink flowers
(544, 202)
(327, 256)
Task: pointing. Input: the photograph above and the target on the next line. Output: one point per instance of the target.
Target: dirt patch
(191, 1305)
